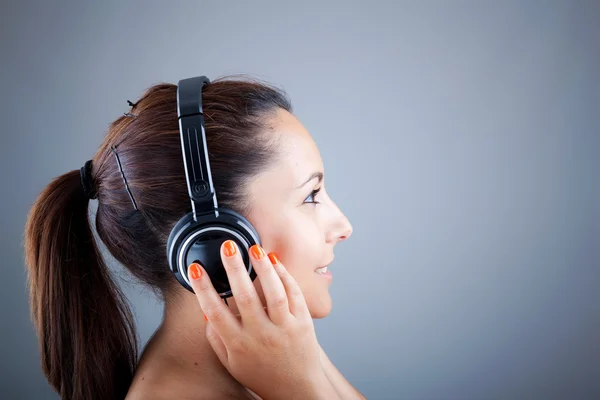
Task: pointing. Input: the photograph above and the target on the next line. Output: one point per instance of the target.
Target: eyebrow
(314, 175)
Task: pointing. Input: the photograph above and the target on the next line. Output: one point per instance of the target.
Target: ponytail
(86, 332)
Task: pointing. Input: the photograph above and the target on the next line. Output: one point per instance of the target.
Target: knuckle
(245, 298)
(270, 340)
(296, 293)
(264, 265)
(214, 313)
(291, 328)
(236, 265)
(238, 345)
(204, 286)
(279, 301)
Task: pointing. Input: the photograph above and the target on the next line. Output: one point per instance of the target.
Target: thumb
(217, 344)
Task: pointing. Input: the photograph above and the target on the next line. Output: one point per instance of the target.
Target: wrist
(315, 386)
(321, 388)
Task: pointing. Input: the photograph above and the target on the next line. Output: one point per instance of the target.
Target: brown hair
(86, 332)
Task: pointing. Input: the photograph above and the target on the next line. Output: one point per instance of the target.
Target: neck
(180, 353)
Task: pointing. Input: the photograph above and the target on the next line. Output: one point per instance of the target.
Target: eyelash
(313, 194)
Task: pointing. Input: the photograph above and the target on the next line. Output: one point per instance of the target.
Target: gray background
(460, 138)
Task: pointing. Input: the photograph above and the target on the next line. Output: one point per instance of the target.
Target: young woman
(265, 166)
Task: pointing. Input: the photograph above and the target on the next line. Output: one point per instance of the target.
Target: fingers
(224, 322)
(242, 288)
(297, 303)
(273, 289)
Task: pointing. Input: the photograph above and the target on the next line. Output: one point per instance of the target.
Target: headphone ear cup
(201, 240)
(207, 251)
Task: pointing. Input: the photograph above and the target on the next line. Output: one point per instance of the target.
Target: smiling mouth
(322, 270)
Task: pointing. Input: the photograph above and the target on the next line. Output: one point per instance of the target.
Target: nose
(341, 229)
(346, 234)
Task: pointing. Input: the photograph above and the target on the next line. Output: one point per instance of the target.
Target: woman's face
(300, 232)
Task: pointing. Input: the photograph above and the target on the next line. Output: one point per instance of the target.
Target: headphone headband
(193, 142)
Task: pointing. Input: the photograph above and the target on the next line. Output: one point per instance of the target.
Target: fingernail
(194, 271)
(273, 258)
(257, 251)
(205, 317)
(230, 248)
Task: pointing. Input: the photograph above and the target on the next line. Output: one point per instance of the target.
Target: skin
(302, 234)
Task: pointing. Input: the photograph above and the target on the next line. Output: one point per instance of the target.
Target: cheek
(298, 243)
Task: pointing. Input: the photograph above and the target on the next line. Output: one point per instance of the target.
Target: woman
(265, 166)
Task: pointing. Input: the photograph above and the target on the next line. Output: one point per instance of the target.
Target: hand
(273, 352)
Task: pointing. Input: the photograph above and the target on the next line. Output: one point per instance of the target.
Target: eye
(313, 194)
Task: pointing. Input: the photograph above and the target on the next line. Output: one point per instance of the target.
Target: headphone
(198, 235)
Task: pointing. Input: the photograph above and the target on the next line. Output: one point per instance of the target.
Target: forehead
(298, 148)
(298, 158)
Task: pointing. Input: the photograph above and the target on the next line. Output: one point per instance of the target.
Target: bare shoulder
(166, 389)
(149, 393)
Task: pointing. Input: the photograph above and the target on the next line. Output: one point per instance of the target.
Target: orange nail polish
(257, 252)
(194, 271)
(230, 248)
(273, 258)
(205, 317)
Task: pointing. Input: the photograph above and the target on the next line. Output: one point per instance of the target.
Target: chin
(321, 307)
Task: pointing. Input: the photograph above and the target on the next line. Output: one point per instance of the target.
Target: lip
(327, 275)
(326, 265)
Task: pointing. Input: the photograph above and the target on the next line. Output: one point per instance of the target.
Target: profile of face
(300, 227)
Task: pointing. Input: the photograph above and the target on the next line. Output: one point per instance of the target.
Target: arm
(343, 388)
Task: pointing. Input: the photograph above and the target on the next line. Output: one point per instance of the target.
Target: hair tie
(87, 183)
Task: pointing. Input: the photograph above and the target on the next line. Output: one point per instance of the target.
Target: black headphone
(198, 235)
